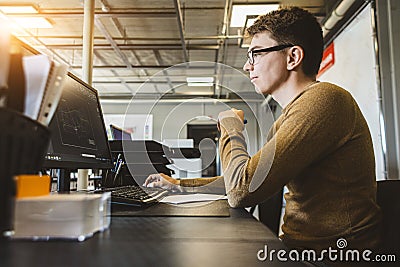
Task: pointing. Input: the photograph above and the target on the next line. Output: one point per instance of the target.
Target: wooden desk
(155, 241)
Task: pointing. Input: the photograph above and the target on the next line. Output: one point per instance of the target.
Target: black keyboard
(135, 195)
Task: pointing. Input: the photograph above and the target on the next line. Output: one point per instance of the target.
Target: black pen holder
(23, 145)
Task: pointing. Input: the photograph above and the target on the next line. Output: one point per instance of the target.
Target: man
(320, 147)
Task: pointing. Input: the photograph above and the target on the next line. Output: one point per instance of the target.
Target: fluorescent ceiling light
(33, 22)
(19, 9)
(239, 12)
(200, 84)
(245, 41)
(200, 79)
(249, 22)
(26, 22)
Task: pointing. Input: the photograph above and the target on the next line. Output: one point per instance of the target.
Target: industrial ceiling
(141, 46)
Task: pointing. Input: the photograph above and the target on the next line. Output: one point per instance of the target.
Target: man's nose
(247, 66)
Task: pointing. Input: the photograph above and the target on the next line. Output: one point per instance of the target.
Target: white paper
(44, 83)
(53, 91)
(191, 198)
(36, 70)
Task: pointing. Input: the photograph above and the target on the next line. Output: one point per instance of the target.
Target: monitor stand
(63, 180)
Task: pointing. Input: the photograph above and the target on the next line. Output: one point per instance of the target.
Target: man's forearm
(213, 185)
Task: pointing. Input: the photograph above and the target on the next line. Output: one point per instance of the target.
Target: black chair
(269, 211)
(388, 198)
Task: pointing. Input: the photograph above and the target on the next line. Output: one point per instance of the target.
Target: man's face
(268, 71)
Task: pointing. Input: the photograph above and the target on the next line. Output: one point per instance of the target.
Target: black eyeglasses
(251, 53)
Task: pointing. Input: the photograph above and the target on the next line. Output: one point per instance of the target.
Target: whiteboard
(140, 126)
(355, 70)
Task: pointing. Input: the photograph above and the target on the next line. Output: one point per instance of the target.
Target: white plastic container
(62, 216)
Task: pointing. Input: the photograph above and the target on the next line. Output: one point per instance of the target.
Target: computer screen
(78, 135)
(119, 134)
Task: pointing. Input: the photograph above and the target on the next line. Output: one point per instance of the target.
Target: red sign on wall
(328, 59)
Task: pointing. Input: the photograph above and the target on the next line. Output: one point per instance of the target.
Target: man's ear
(295, 57)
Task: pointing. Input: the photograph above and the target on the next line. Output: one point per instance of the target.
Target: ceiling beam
(121, 80)
(79, 14)
(161, 39)
(114, 45)
(165, 72)
(122, 32)
(181, 29)
(142, 82)
(153, 67)
(112, 42)
(124, 67)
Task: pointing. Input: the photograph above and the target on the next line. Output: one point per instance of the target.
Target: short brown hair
(294, 25)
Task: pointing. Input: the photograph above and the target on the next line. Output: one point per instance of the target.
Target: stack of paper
(44, 83)
(66, 216)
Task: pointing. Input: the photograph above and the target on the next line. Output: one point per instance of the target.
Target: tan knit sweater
(321, 149)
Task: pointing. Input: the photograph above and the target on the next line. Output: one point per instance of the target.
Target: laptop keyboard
(135, 195)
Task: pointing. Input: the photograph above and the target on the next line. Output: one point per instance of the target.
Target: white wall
(355, 71)
(170, 119)
(138, 125)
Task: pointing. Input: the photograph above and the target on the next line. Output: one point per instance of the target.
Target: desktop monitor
(78, 135)
(119, 134)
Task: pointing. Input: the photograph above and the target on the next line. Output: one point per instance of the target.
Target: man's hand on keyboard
(163, 181)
